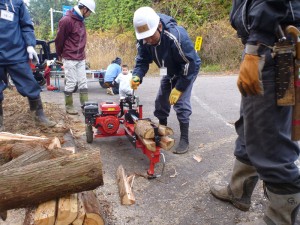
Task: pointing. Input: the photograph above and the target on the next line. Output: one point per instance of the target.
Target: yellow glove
(135, 82)
(174, 96)
(250, 76)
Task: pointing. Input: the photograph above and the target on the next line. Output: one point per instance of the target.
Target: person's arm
(26, 26)
(118, 78)
(62, 35)
(142, 61)
(184, 55)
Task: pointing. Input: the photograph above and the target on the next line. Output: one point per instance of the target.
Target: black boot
(36, 108)
(183, 145)
(163, 121)
(1, 117)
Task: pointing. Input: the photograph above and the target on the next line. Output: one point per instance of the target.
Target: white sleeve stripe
(172, 37)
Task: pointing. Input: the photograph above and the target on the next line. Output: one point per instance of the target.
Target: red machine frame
(126, 128)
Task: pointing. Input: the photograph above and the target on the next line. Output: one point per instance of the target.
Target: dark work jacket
(70, 40)
(256, 21)
(15, 35)
(176, 50)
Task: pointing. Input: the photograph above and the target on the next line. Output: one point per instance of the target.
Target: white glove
(32, 53)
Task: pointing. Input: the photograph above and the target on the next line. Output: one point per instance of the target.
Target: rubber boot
(37, 111)
(183, 145)
(163, 121)
(83, 95)
(1, 117)
(239, 191)
(69, 103)
(282, 210)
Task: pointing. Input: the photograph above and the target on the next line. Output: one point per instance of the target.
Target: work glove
(32, 53)
(174, 96)
(135, 82)
(250, 77)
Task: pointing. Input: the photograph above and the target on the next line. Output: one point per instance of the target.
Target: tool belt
(284, 53)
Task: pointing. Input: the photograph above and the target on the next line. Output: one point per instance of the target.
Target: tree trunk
(51, 179)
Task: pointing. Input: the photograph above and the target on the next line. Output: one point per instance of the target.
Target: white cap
(145, 22)
(90, 4)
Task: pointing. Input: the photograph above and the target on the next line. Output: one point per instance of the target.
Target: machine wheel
(89, 133)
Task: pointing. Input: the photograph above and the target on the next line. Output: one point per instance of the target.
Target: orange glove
(135, 82)
(250, 77)
(174, 96)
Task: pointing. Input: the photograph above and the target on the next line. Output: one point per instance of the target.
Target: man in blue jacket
(264, 148)
(161, 40)
(17, 41)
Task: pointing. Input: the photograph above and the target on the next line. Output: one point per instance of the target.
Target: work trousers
(264, 134)
(75, 74)
(23, 79)
(182, 108)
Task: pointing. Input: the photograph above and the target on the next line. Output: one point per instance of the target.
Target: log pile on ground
(37, 170)
(145, 131)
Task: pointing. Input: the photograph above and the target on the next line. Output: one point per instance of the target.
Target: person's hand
(174, 96)
(135, 82)
(250, 77)
(32, 53)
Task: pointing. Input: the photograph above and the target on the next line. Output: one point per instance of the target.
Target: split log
(164, 130)
(34, 156)
(50, 179)
(149, 143)
(6, 136)
(166, 142)
(92, 208)
(45, 213)
(67, 210)
(125, 191)
(81, 211)
(144, 129)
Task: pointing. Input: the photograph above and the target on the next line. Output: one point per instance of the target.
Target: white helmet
(90, 4)
(145, 22)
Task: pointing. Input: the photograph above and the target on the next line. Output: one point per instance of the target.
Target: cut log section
(29, 216)
(166, 142)
(92, 209)
(50, 179)
(144, 129)
(148, 143)
(67, 210)
(45, 213)
(81, 211)
(164, 130)
(125, 190)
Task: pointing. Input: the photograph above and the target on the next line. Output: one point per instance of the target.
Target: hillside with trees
(111, 32)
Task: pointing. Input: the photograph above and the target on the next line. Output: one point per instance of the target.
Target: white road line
(211, 111)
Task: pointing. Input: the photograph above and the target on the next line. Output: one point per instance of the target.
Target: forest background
(111, 33)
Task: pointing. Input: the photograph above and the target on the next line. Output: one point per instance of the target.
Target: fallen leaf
(197, 158)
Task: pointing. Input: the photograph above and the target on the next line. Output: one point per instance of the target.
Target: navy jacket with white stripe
(175, 51)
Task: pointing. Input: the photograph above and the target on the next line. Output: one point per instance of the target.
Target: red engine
(108, 122)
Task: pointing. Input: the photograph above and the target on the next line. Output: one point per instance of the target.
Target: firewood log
(125, 191)
(50, 179)
(92, 209)
(81, 211)
(67, 210)
(144, 129)
(166, 142)
(45, 213)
